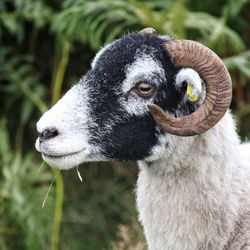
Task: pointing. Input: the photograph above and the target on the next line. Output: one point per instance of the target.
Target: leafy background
(45, 46)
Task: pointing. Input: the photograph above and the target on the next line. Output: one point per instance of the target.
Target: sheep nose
(47, 134)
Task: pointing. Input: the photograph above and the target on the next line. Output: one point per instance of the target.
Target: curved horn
(211, 69)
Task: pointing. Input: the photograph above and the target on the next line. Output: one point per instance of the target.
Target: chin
(72, 160)
(67, 161)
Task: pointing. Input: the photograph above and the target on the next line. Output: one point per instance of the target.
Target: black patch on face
(119, 136)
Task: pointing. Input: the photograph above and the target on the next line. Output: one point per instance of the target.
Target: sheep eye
(144, 89)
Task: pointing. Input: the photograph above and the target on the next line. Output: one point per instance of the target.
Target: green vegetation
(45, 46)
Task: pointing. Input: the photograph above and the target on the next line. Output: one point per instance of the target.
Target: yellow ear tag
(191, 98)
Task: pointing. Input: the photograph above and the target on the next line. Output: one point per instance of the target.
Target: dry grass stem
(50, 186)
(78, 173)
(39, 169)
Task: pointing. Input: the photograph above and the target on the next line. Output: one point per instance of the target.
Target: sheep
(164, 104)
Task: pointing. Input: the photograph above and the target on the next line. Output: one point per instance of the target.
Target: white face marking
(69, 116)
(143, 69)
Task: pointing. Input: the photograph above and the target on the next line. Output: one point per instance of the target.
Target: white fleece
(196, 195)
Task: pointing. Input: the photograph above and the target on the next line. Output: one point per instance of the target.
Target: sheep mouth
(61, 156)
(65, 161)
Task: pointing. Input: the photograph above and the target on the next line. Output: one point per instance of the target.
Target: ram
(163, 103)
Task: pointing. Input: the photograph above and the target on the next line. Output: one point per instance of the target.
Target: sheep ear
(186, 53)
(188, 80)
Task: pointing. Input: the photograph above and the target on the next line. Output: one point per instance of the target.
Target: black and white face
(105, 116)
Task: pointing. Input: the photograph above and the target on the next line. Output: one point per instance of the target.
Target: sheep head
(134, 93)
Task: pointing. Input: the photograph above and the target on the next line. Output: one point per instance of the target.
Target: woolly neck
(189, 198)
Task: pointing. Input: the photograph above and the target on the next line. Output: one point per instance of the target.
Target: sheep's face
(105, 116)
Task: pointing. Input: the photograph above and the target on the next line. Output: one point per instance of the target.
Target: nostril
(48, 134)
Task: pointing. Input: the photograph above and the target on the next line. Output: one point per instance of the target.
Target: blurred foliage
(45, 46)
(21, 191)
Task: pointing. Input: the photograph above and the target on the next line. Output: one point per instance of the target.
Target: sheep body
(192, 192)
(200, 197)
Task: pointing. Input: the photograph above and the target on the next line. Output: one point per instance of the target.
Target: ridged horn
(218, 84)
